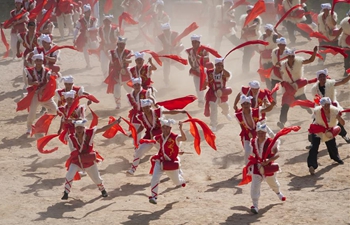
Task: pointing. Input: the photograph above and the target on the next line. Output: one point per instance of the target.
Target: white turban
(69, 94)
(261, 127)
(167, 122)
(268, 27)
(245, 98)
(289, 52)
(108, 17)
(43, 11)
(20, 1)
(136, 80)
(254, 84)
(139, 55)
(86, 8)
(38, 56)
(230, 1)
(46, 38)
(219, 60)
(325, 100)
(281, 41)
(249, 7)
(326, 6)
(318, 73)
(68, 79)
(80, 123)
(165, 26)
(196, 37)
(160, 2)
(146, 102)
(121, 40)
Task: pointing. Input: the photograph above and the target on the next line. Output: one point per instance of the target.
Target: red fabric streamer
(265, 72)
(276, 88)
(286, 14)
(260, 42)
(348, 71)
(319, 36)
(238, 3)
(336, 50)
(155, 56)
(210, 50)
(192, 27)
(49, 89)
(108, 6)
(94, 120)
(195, 133)
(345, 111)
(308, 52)
(147, 141)
(133, 131)
(45, 18)
(177, 103)
(305, 27)
(25, 102)
(7, 24)
(56, 47)
(128, 19)
(202, 78)
(4, 41)
(111, 132)
(175, 58)
(34, 13)
(305, 103)
(42, 124)
(258, 9)
(42, 142)
(76, 103)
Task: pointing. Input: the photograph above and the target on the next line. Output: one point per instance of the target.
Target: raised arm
(183, 135)
(312, 57)
(103, 129)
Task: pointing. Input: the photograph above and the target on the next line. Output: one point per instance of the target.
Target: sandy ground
(32, 183)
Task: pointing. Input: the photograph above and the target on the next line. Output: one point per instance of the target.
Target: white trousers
(62, 20)
(214, 111)
(92, 171)
(104, 60)
(118, 90)
(256, 184)
(137, 126)
(174, 175)
(50, 105)
(140, 152)
(247, 150)
(13, 45)
(200, 94)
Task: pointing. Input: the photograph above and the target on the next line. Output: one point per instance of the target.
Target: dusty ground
(32, 183)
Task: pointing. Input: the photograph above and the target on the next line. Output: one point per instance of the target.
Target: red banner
(258, 9)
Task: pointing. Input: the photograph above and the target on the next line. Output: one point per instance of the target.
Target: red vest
(84, 148)
(214, 85)
(248, 132)
(115, 65)
(256, 153)
(154, 128)
(170, 147)
(27, 43)
(112, 40)
(135, 103)
(77, 114)
(144, 74)
(18, 28)
(61, 97)
(192, 56)
(41, 78)
(259, 100)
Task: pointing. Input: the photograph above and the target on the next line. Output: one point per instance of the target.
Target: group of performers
(281, 66)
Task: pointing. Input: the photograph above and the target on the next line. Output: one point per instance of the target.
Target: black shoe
(280, 124)
(341, 162)
(104, 193)
(65, 196)
(347, 139)
(308, 147)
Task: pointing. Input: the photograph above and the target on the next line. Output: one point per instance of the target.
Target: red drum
(269, 169)
(88, 158)
(334, 131)
(170, 165)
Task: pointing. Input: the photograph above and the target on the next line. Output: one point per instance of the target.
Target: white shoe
(29, 131)
(228, 117)
(130, 172)
(119, 106)
(82, 173)
(213, 128)
(153, 200)
(281, 197)
(254, 209)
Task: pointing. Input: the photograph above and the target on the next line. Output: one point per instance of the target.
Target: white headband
(68, 79)
(87, 7)
(43, 11)
(219, 60)
(165, 26)
(249, 7)
(136, 80)
(69, 94)
(167, 122)
(325, 100)
(268, 27)
(289, 52)
(139, 55)
(254, 84)
(38, 56)
(281, 41)
(261, 127)
(318, 73)
(146, 102)
(326, 6)
(245, 98)
(46, 38)
(108, 17)
(121, 40)
(196, 37)
(80, 123)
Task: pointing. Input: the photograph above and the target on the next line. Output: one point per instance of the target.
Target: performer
(118, 73)
(326, 116)
(167, 159)
(249, 32)
(143, 71)
(84, 157)
(326, 88)
(48, 26)
(259, 96)
(64, 15)
(295, 17)
(77, 11)
(69, 86)
(260, 145)
(29, 40)
(149, 120)
(247, 118)
(196, 59)
(159, 17)
(224, 23)
(87, 38)
(165, 40)
(344, 40)
(266, 51)
(29, 5)
(217, 94)
(277, 54)
(292, 72)
(38, 77)
(108, 36)
(133, 7)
